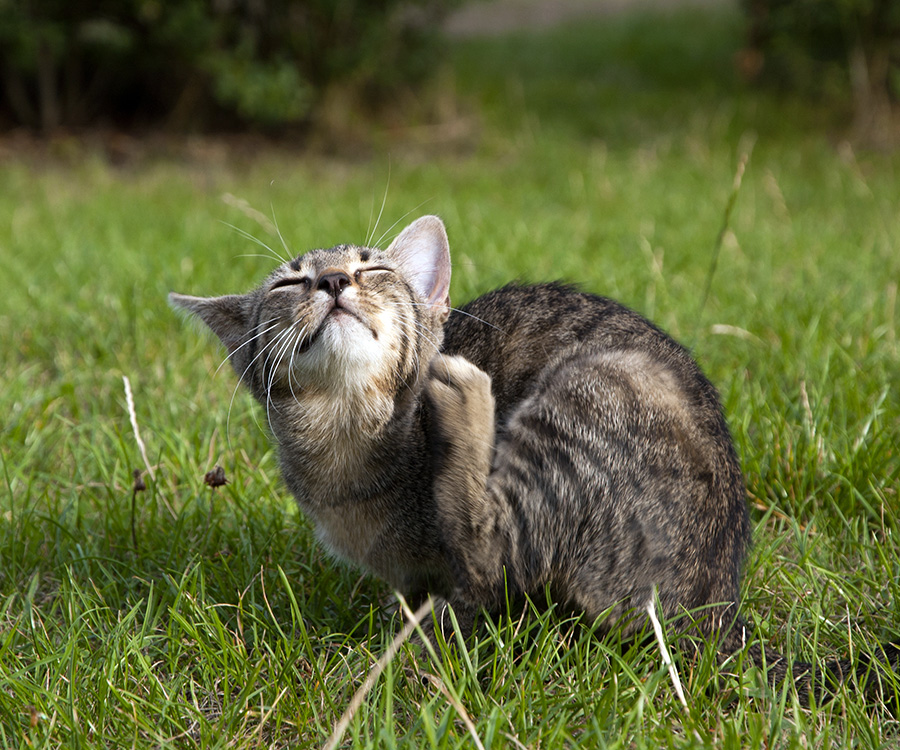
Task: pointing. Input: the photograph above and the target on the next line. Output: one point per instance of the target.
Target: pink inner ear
(423, 252)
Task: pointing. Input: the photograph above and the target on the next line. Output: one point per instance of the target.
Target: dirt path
(489, 17)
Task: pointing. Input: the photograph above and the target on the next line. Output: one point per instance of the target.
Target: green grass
(604, 153)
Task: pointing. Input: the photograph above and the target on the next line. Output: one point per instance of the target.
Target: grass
(604, 153)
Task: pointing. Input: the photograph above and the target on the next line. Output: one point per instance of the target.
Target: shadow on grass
(250, 562)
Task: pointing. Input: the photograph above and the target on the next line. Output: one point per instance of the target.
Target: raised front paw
(462, 404)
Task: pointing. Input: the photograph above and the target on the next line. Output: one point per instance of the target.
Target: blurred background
(338, 71)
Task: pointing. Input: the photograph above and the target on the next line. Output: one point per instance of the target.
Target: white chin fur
(344, 353)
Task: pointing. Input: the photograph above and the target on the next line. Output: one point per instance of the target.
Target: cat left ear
(226, 316)
(423, 251)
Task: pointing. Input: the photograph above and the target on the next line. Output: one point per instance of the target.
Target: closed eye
(360, 271)
(289, 281)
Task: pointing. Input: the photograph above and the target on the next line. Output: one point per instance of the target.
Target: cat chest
(348, 531)
(336, 495)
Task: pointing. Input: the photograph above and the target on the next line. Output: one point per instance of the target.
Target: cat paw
(460, 394)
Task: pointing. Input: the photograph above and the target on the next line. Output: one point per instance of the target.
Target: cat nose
(333, 283)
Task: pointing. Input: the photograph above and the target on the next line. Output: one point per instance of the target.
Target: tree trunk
(48, 93)
(874, 121)
(17, 96)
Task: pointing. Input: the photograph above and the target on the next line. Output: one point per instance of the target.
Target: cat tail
(877, 674)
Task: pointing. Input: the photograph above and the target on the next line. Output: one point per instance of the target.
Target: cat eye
(357, 275)
(289, 281)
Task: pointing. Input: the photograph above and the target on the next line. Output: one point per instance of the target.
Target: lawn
(604, 153)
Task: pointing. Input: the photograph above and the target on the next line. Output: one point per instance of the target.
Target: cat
(538, 438)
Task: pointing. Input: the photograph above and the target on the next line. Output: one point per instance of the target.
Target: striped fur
(538, 437)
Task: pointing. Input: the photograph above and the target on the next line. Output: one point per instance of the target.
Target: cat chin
(346, 351)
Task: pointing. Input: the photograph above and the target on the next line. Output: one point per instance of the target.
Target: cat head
(341, 319)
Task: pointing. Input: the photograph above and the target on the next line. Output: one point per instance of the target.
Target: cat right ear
(423, 251)
(226, 316)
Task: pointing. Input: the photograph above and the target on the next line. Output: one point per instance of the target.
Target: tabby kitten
(537, 437)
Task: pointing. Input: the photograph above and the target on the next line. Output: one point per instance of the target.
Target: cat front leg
(474, 519)
(463, 411)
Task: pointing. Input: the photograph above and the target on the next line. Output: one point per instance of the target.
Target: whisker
(280, 235)
(371, 233)
(243, 374)
(259, 255)
(387, 231)
(298, 341)
(293, 341)
(423, 331)
(245, 208)
(463, 312)
(250, 340)
(273, 372)
(247, 236)
(410, 318)
(267, 369)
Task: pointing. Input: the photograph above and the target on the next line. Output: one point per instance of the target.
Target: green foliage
(270, 93)
(829, 47)
(189, 62)
(821, 31)
(223, 624)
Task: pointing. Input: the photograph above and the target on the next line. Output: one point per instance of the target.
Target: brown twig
(412, 623)
(138, 486)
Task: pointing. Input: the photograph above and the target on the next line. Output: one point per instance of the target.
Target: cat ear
(423, 251)
(226, 316)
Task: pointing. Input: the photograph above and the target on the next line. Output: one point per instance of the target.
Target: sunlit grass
(604, 154)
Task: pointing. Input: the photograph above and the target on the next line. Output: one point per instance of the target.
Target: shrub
(199, 62)
(820, 45)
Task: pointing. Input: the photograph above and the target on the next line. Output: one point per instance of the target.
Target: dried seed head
(215, 477)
